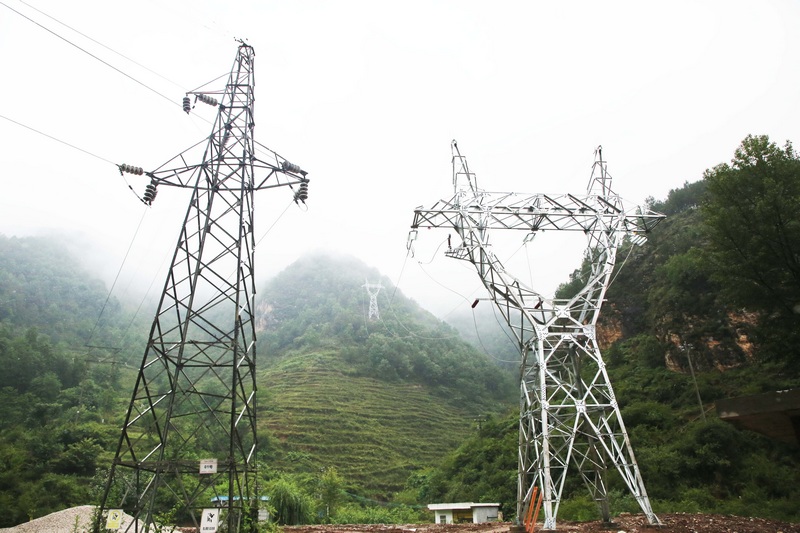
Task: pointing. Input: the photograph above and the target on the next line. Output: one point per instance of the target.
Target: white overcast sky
(367, 96)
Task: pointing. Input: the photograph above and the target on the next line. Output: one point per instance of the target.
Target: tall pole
(694, 381)
(569, 416)
(189, 439)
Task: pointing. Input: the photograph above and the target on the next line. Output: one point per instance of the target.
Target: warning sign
(208, 466)
(114, 521)
(209, 521)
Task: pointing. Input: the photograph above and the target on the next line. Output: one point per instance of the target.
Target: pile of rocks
(72, 520)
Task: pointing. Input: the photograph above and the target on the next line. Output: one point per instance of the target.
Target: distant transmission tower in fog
(188, 443)
(373, 289)
(569, 415)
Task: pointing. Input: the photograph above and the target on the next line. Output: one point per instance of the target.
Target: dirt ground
(671, 523)
(79, 519)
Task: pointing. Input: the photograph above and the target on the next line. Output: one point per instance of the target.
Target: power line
(170, 100)
(57, 139)
(87, 152)
(101, 44)
(116, 278)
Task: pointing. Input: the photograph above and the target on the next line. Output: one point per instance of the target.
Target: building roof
(461, 505)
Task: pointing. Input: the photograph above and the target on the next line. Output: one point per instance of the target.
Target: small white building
(454, 513)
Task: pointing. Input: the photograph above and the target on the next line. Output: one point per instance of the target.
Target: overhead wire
(435, 253)
(443, 285)
(87, 152)
(101, 44)
(65, 143)
(118, 70)
(528, 259)
(144, 298)
(116, 278)
(624, 261)
(397, 318)
(101, 158)
(411, 333)
(170, 100)
(400, 276)
(209, 82)
(474, 317)
(274, 222)
(457, 335)
(504, 326)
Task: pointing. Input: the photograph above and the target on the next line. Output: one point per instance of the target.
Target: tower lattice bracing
(373, 289)
(189, 436)
(569, 416)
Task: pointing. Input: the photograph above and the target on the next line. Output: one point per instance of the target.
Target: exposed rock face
(609, 327)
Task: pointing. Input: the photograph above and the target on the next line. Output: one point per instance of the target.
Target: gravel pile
(72, 520)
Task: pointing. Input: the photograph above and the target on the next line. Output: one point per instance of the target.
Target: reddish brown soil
(672, 523)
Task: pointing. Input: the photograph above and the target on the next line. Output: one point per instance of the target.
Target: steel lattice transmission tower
(569, 416)
(190, 430)
(373, 289)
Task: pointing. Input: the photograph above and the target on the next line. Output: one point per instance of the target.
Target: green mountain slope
(57, 399)
(43, 286)
(375, 433)
(377, 399)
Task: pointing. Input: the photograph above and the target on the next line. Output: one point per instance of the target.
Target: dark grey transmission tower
(189, 436)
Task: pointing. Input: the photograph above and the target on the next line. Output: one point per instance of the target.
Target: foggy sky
(367, 96)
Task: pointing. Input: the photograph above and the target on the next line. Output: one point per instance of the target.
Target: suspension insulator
(130, 169)
(187, 104)
(150, 192)
(207, 100)
(226, 136)
(302, 193)
(291, 167)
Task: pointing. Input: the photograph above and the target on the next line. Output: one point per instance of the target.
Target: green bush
(359, 514)
(291, 504)
(579, 508)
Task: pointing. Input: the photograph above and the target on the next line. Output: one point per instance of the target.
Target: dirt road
(672, 523)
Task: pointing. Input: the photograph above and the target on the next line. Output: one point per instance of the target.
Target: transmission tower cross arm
(213, 176)
(230, 158)
(535, 212)
(177, 173)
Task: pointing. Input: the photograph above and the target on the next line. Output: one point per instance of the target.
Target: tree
(331, 490)
(752, 212)
(291, 503)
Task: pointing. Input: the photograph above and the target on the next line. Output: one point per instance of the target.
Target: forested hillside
(58, 393)
(376, 398)
(718, 282)
(369, 419)
(342, 398)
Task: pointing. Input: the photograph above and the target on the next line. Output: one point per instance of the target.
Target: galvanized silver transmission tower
(373, 289)
(189, 436)
(569, 416)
